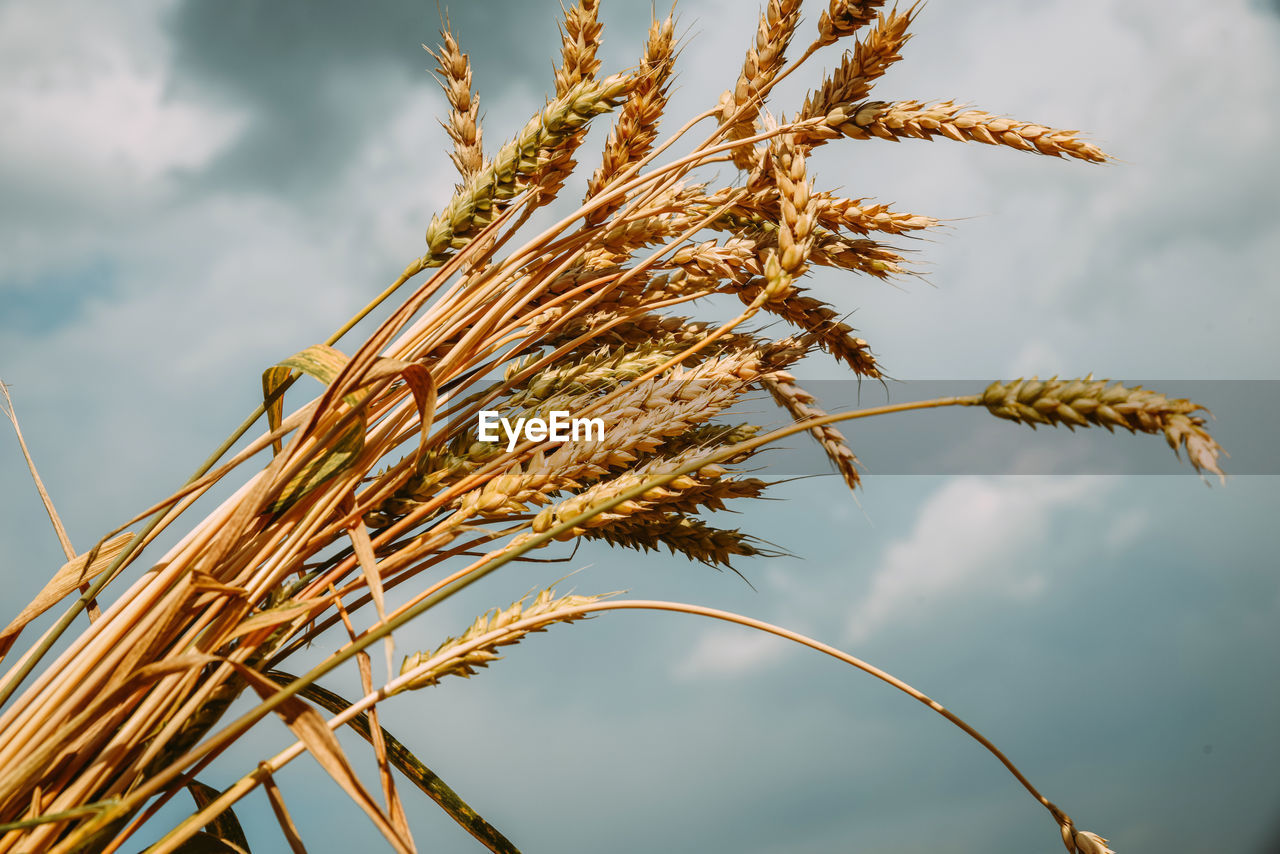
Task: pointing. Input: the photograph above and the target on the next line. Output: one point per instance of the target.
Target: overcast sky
(192, 190)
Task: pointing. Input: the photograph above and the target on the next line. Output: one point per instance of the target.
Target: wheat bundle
(388, 478)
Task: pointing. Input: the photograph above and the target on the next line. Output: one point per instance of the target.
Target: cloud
(1166, 246)
(729, 652)
(971, 536)
(92, 137)
(320, 78)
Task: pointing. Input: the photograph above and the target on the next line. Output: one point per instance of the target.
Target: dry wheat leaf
(427, 781)
(311, 729)
(273, 617)
(207, 843)
(287, 827)
(72, 574)
(225, 826)
(320, 361)
(420, 382)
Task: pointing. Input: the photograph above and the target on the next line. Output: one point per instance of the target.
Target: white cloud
(971, 535)
(730, 651)
(1127, 527)
(119, 120)
(98, 103)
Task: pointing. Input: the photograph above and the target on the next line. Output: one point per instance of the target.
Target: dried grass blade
(275, 380)
(411, 766)
(59, 529)
(225, 826)
(307, 724)
(363, 547)
(287, 826)
(394, 807)
(71, 576)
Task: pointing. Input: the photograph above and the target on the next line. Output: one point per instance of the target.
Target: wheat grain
(844, 18)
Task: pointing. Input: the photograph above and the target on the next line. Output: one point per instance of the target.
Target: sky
(191, 191)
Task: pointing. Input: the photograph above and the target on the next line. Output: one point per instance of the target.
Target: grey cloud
(321, 77)
(285, 63)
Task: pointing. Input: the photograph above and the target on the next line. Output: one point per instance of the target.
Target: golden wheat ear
(463, 124)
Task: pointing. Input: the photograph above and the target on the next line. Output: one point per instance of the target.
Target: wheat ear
(463, 125)
(544, 610)
(1085, 402)
(740, 105)
(915, 119)
(580, 39)
(782, 386)
(637, 126)
(691, 537)
(479, 201)
(861, 67)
